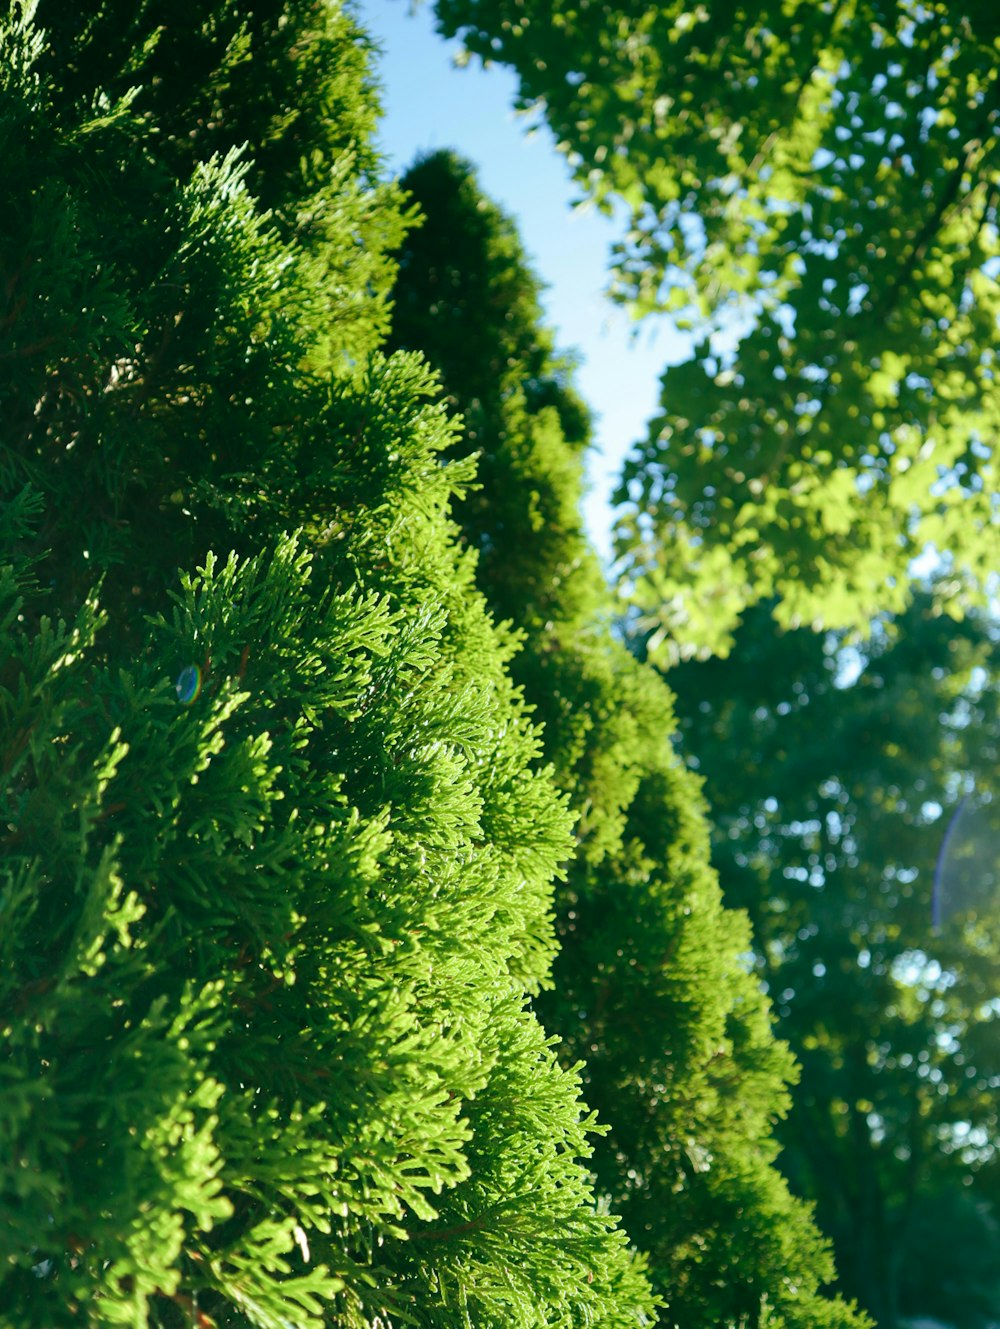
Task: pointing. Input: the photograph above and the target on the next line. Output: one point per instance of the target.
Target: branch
(932, 225)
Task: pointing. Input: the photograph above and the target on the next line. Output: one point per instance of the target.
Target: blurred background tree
(833, 776)
(811, 189)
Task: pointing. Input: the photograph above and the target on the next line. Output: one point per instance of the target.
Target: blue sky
(431, 104)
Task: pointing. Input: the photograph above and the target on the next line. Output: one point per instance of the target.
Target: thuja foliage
(651, 985)
(465, 298)
(277, 846)
(156, 307)
(812, 189)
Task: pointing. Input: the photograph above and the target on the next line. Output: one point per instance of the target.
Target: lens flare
(188, 685)
(967, 873)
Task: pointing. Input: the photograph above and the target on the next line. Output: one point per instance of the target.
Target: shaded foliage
(832, 780)
(156, 367)
(466, 299)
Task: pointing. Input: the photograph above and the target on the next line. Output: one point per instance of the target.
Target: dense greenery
(650, 986)
(813, 188)
(158, 314)
(831, 796)
(349, 862)
(277, 868)
(465, 298)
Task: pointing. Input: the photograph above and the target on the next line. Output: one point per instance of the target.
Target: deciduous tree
(812, 189)
(833, 778)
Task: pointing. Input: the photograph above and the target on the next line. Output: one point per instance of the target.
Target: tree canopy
(812, 188)
(833, 780)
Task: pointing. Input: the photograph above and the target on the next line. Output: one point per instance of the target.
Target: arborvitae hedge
(277, 848)
(652, 985)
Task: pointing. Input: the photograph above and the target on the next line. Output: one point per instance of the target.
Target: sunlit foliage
(812, 188)
(650, 989)
(278, 855)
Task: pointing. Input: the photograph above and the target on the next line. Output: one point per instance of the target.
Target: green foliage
(294, 992)
(292, 83)
(465, 298)
(278, 848)
(162, 322)
(831, 797)
(812, 188)
(650, 987)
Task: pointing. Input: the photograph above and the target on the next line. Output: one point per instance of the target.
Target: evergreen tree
(650, 986)
(278, 852)
(812, 189)
(466, 299)
(831, 798)
(149, 237)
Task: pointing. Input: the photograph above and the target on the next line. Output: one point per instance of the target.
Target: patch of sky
(926, 564)
(972, 1142)
(916, 967)
(430, 104)
(928, 118)
(856, 296)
